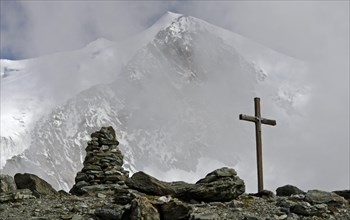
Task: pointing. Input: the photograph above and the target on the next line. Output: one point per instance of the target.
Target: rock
(303, 208)
(175, 210)
(220, 185)
(288, 190)
(16, 195)
(149, 185)
(7, 183)
(124, 196)
(100, 188)
(63, 193)
(205, 216)
(108, 213)
(264, 194)
(318, 197)
(141, 208)
(250, 218)
(38, 186)
(343, 193)
(179, 187)
(218, 174)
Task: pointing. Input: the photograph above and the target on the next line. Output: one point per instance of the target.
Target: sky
(316, 32)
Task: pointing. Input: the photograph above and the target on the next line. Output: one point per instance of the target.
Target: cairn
(102, 165)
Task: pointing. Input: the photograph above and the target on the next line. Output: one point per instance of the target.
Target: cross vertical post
(258, 120)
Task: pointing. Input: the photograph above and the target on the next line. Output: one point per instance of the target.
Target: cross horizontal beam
(256, 119)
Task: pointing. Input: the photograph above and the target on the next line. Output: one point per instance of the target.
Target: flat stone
(81, 177)
(115, 178)
(91, 167)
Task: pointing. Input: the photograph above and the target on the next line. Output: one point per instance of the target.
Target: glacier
(173, 93)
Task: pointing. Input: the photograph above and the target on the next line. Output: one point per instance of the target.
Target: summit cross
(258, 120)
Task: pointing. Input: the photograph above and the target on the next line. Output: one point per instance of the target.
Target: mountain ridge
(174, 98)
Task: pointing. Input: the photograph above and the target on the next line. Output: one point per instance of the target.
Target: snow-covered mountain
(32, 88)
(173, 94)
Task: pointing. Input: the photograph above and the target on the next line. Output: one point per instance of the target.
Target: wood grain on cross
(258, 120)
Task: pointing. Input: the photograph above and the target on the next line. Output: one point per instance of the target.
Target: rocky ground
(100, 206)
(104, 191)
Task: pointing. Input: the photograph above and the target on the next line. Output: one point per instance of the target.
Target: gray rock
(216, 187)
(101, 187)
(92, 167)
(343, 193)
(318, 197)
(304, 209)
(264, 194)
(141, 208)
(250, 218)
(175, 210)
(205, 216)
(147, 184)
(124, 196)
(16, 195)
(7, 183)
(288, 190)
(180, 186)
(108, 213)
(217, 174)
(38, 186)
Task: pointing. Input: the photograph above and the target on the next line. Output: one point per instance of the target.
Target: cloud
(36, 28)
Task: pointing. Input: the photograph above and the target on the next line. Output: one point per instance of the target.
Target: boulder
(147, 184)
(218, 186)
(38, 186)
(329, 198)
(141, 208)
(7, 183)
(288, 190)
(343, 193)
(175, 210)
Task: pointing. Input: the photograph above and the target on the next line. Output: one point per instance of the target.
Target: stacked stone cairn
(102, 166)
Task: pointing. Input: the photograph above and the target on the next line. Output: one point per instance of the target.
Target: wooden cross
(258, 120)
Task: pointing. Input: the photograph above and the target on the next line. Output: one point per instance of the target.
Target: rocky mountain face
(174, 102)
(104, 191)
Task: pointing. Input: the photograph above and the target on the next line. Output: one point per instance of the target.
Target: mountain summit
(173, 93)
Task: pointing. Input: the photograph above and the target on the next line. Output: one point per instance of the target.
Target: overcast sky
(313, 31)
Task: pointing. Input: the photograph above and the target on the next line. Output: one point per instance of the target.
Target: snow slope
(32, 88)
(174, 102)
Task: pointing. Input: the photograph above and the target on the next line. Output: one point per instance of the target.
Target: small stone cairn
(102, 166)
